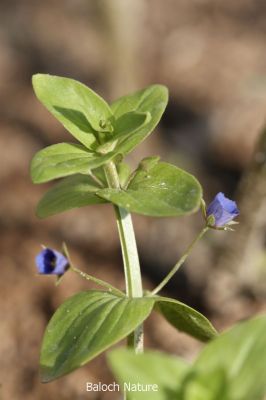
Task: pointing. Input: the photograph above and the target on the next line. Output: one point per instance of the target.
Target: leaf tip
(39, 214)
(45, 374)
(35, 78)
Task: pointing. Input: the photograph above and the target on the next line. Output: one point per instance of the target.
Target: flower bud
(221, 211)
(51, 262)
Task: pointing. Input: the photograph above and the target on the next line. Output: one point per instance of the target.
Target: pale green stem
(129, 253)
(180, 262)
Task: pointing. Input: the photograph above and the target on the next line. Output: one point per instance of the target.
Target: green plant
(94, 172)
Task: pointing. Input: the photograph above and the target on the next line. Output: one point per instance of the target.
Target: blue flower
(51, 262)
(222, 210)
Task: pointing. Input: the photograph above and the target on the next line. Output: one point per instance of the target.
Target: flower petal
(222, 209)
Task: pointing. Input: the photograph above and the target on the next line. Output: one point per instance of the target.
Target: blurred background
(211, 55)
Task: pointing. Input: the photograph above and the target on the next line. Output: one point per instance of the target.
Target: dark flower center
(49, 261)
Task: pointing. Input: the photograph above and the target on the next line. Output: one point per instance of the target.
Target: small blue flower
(223, 210)
(51, 262)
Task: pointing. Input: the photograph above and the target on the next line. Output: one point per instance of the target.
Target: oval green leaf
(152, 100)
(77, 107)
(124, 126)
(64, 159)
(241, 352)
(185, 318)
(128, 123)
(212, 385)
(75, 191)
(151, 368)
(84, 326)
(161, 191)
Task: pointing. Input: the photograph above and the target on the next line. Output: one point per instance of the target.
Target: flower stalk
(180, 262)
(99, 282)
(88, 277)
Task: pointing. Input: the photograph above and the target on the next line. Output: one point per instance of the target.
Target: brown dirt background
(212, 57)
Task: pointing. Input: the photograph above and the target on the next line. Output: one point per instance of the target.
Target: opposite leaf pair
(90, 322)
(107, 134)
(100, 129)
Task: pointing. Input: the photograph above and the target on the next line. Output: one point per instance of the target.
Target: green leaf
(124, 172)
(185, 318)
(86, 325)
(162, 191)
(64, 159)
(231, 367)
(241, 353)
(128, 123)
(151, 368)
(152, 100)
(81, 111)
(75, 191)
(124, 126)
(147, 163)
(205, 386)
